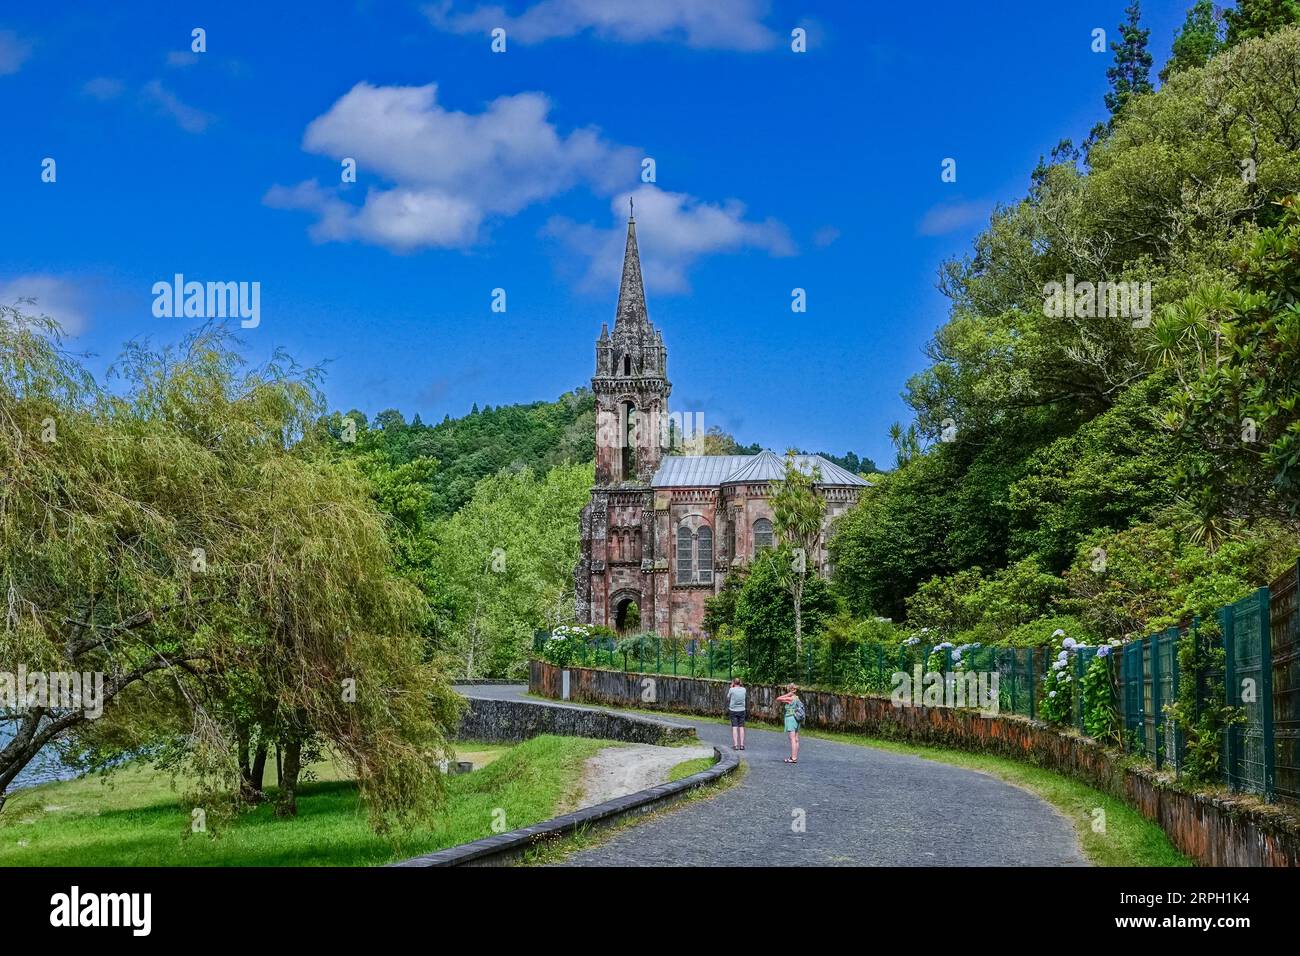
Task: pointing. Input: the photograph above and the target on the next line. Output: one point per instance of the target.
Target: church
(662, 531)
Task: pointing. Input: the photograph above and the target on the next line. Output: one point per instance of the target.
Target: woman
(793, 711)
(736, 702)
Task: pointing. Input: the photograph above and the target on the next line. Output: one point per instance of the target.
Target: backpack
(799, 711)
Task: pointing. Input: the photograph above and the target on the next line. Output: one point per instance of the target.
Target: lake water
(45, 768)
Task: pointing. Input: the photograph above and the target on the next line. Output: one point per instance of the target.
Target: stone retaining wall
(509, 721)
(1213, 830)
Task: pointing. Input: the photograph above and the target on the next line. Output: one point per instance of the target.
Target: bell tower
(631, 383)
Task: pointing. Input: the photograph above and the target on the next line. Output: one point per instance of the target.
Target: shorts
(737, 718)
(791, 725)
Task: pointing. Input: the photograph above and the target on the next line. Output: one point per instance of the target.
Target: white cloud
(708, 24)
(13, 52)
(103, 88)
(824, 236)
(187, 117)
(674, 231)
(182, 58)
(951, 216)
(399, 219)
(448, 171)
(56, 297)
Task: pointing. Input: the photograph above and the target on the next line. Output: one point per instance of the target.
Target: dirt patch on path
(618, 771)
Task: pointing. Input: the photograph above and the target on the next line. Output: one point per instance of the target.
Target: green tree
(1198, 40)
(720, 610)
(182, 536)
(1257, 18)
(1237, 354)
(765, 615)
(1129, 76)
(502, 567)
(798, 514)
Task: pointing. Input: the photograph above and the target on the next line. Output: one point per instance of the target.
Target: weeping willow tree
(179, 534)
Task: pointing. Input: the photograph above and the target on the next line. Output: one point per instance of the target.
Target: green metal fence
(1170, 741)
(1248, 681)
(1017, 680)
(1284, 613)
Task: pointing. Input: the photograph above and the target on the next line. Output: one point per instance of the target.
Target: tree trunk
(259, 766)
(251, 773)
(241, 755)
(798, 621)
(288, 803)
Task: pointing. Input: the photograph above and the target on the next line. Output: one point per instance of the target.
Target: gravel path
(841, 805)
(618, 771)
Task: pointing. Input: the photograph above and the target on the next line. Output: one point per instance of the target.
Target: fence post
(1157, 712)
(1227, 623)
(659, 655)
(1265, 698)
(674, 658)
(1033, 686)
(1173, 736)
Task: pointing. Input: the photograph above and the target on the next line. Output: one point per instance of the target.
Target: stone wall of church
(629, 550)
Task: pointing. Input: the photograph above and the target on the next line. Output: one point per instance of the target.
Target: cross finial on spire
(629, 208)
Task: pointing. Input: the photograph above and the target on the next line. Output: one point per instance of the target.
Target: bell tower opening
(629, 441)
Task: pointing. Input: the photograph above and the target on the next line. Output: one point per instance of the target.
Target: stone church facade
(662, 531)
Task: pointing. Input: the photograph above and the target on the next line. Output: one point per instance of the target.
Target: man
(794, 714)
(736, 700)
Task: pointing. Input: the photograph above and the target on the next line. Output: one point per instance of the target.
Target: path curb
(504, 848)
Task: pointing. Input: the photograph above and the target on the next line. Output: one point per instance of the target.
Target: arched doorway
(627, 612)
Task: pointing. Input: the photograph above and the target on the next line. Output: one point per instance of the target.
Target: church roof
(694, 471)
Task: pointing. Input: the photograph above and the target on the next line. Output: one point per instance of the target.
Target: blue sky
(479, 170)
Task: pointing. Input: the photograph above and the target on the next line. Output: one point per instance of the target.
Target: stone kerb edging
(504, 848)
(1214, 830)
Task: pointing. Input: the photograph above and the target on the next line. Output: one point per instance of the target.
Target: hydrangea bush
(566, 645)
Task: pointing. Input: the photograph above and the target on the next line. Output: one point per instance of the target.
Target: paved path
(860, 807)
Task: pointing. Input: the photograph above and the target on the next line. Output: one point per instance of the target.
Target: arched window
(704, 555)
(627, 365)
(762, 534)
(684, 575)
(629, 441)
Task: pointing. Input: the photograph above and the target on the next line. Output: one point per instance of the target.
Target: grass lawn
(688, 767)
(135, 818)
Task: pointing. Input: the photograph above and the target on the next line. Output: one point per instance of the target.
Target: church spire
(631, 291)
